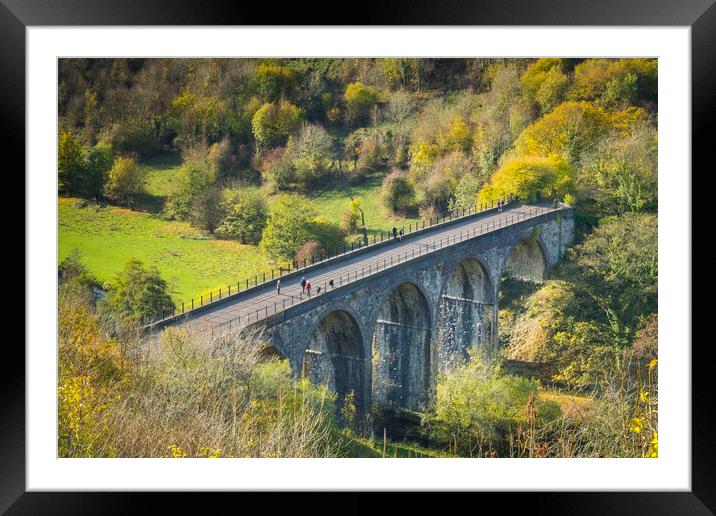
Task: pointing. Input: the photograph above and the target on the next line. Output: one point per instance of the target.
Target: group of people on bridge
(306, 286)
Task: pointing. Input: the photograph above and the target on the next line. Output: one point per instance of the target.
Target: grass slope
(336, 200)
(108, 236)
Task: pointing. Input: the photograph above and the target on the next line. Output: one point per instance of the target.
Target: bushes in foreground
(477, 407)
(182, 396)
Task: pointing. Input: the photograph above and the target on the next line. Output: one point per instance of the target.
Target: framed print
(258, 256)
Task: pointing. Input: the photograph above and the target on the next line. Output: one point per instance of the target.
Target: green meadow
(192, 261)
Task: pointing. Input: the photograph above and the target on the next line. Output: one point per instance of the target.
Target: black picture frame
(700, 15)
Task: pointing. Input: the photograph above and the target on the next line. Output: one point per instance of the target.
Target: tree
(359, 100)
(476, 403)
(192, 179)
(528, 177)
(569, 131)
(466, 192)
(72, 275)
(370, 156)
(246, 215)
(608, 81)
(99, 162)
(397, 193)
(545, 82)
(311, 153)
(621, 174)
(71, 166)
(289, 226)
(504, 112)
(126, 180)
(617, 266)
(437, 184)
(275, 81)
(351, 218)
(139, 293)
(272, 123)
(200, 118)
(621, 91)
(206, 211)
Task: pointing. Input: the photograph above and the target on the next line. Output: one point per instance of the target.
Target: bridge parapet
(421, 228)
(413, 253)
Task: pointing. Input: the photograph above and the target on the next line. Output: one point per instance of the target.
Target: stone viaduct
(387, 333)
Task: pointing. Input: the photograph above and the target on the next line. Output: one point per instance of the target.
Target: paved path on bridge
(265, 302)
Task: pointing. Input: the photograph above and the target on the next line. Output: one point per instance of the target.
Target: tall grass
(622, 421)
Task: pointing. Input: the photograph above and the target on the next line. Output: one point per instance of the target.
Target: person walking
(330, 283)
(395, 232)
(400, 235)
(278, 286)
(308, 288)
(303, 284)
(318, 289)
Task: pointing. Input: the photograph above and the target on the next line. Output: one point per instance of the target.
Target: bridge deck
(265, 302)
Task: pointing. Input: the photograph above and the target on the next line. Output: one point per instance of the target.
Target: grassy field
(108, 236)
(161, 169)
(192, 262)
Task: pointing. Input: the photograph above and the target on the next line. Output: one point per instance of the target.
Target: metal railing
(260, 309)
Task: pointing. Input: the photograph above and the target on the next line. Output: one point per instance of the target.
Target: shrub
(437, 185)
(193, 396)
(621, 421)
(436, 190)
(272, 123)
(246, 213)
(89, 368)
(309, 252)
(370, 156)
(126, 180)
(397, 194)
(477, 406)
(428, 212)
(277, 170)
(466, 191)
(139, 294)
(73, 276)
(220, 158)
